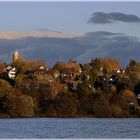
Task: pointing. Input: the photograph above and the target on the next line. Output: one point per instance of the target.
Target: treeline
(101, 92)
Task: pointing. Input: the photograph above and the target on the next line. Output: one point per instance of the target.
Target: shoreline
(69, 117)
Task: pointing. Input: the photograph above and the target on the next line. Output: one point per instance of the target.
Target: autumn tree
(25, 65)
(64, 104)
(5, 88)
(6, 94)
(110, 64)
(59, 66)
(2, 66)
(21, 106)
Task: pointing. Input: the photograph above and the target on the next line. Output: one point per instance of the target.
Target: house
(103, 77)
(119, 71)
(39, 72)
(70, 72)
(50, 78)
(12, 73)
(73, 64)
(67, 72)
(9, 72)
(55, 73)
(73, 85)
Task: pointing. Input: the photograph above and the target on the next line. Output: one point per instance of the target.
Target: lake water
(69, 128)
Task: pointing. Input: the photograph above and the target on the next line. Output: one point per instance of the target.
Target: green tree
(6, 94)
(96, 63)
(132, 63)
(66, 104)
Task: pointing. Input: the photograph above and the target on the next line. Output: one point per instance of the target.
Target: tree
(110, 64)
(6, 94)
(132, 63)
(59, 66)
(102, 108)
(24, 65)
(5, 88)
(21, 106)
(83, 89)
(72, 61)
(66, 104)
(96, 63)
(2, 66)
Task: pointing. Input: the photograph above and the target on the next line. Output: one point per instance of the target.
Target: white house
(12, 73)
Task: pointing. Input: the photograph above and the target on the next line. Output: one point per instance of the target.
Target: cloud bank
(83, 48)
(105, 18)
(43, 33)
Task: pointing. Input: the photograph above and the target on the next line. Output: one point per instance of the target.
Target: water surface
(69, 128)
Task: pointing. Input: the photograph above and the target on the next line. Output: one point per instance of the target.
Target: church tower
(16, 56)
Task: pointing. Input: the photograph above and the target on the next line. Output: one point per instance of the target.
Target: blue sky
(67, 17)
(97, 23)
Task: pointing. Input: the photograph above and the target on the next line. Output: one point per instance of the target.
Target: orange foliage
(59, 66)
(113, 88)
(2, 66)
(128, 93)
(17, 92)
(111, 64)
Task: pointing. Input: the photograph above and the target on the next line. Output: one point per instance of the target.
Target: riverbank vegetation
(99, 88)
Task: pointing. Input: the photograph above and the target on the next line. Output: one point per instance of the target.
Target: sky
(104, 29)
(67, 17)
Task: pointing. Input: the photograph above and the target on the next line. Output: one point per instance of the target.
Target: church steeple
(16, 56)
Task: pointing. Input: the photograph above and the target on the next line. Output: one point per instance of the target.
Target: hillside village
(99, 88)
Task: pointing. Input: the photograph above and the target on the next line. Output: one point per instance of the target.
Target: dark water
(70, 128)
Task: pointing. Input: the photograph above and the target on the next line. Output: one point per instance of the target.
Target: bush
(102, 108)
(66, 104)
(21, 106)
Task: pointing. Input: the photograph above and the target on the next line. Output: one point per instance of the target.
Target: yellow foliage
(5, 88)
(24, 65)
(111, 64)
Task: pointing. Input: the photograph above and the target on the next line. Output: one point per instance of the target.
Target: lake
(69, 128)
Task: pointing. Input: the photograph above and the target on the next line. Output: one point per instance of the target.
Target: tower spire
(16, 56)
